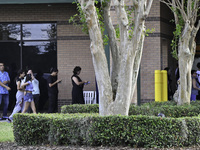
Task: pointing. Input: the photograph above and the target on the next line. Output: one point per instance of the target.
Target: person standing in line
(195, 85)
(52, 82)
(78, 84)
(19, 94)
(28, 96)
(4, 94)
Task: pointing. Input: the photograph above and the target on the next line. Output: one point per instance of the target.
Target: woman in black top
(53, 90)
(78, 84)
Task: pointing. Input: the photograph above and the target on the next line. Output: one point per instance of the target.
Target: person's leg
(51, 103)
(5, 107)
(36, 98)
(56, 103)
(15, 110)
(18, 106)
(23, 105)
(26, 106)
(193, 97)
(0, 101)
(0, 98)
(33, 107)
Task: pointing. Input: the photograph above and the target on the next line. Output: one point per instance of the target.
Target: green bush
(31, 129)
(168, 103)
(78, 108)
(169, 109)
(95, 130)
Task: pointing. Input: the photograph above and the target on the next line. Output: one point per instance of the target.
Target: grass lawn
(6, 132)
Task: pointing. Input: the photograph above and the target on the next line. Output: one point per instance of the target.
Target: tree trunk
(115, 93)
(185, 66)
(186, 58)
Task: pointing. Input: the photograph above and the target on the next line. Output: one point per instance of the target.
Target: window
(29, 44)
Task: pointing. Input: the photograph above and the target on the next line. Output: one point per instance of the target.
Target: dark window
(10, 32)
(10, 53)
(29, 44)
(39, 55)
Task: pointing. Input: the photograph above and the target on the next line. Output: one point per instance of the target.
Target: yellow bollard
(164, 86)
(158, 86)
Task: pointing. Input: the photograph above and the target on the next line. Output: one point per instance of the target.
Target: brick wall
(73, 45)
(151, 59)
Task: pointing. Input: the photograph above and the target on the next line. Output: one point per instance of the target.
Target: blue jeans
(5, 98)
(193, 97)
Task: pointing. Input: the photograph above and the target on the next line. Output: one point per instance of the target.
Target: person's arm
(25, 84)
(54, 83)
(194, 84)
(18, 86)
(8, 79)
(5, 86)
(6, 82)
(77, 82)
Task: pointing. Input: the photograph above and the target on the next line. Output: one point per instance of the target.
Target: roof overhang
(35, 1)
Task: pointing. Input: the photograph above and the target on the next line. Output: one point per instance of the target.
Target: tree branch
(173, 7)
(148, 8)
(188, 8)
(113, 47)
(123, 20)
(194, 12)
(180, 7)
(135, 3)
(192, 44)
(136, 65)
(139, 22)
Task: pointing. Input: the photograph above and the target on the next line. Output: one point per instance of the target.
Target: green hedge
(78, 108)
(94, 130)
(31, 129)
(170, 109)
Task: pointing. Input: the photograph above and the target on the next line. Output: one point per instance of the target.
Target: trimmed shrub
(31, 129)
(95, 130)
(78, 108)
(192, 131)
(169, 109)
(168, 103)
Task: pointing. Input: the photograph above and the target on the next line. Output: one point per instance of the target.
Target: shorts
(28, 97)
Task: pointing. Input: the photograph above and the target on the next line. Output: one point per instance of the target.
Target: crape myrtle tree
(126, 40)
(183, 44)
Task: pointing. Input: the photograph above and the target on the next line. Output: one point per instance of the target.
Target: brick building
(37, 34)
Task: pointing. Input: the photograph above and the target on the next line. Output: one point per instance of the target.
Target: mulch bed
(13, 146)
